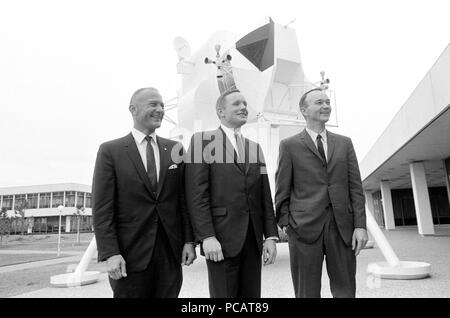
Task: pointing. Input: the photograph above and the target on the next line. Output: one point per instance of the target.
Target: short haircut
(139, 91)
(302, 102)
(221, 100)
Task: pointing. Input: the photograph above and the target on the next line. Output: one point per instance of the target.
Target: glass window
(32, 199)
(58, 199)
(70, 199)
(44, 200)
(80, 199)
(88, 200)
(7, 202)
(19, 201)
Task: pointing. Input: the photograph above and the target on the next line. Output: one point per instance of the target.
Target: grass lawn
(13, 259)
(23, 281)
(47, 242)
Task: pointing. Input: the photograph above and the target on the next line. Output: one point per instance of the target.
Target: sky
(68, 68)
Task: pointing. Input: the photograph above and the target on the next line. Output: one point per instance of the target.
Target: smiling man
(320, 203)
(141, 224)
(230, 204)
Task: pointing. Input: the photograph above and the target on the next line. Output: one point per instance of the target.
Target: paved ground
(3, 252)
(276, 281)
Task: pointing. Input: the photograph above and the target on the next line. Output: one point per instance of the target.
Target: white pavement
(276, 279)
(276, 282)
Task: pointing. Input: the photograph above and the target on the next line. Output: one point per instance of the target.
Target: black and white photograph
(224, 153)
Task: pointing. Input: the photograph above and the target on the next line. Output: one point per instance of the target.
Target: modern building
(40, 204)
(406, 173)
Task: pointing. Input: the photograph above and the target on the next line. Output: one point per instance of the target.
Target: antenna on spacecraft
(182, 48)
(322, 84)
(225, 78)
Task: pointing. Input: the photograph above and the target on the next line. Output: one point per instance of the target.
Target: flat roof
(418, 132)
(46, 188)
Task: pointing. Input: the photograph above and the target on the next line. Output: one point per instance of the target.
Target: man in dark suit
(320, 202)
(230, 203)
(141, 225)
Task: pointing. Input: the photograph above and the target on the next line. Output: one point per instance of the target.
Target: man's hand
(269, 252)
(359, 240)
(189, 255)
(115, 265)
(212, 249)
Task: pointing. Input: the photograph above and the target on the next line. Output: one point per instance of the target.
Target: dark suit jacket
(305, 185)
(223, 195)
(125, 209)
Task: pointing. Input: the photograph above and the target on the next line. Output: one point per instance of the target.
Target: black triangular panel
(258, 46)
(254, 52)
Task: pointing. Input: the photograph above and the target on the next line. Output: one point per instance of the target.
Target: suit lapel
(310, 144)
(164, 159)
(135, 157)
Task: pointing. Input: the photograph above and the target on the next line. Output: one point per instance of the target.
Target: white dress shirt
(229, 132)
(313, 136)
(141, 144)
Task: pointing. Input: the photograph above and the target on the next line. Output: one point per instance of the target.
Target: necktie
(151, 164)
(320, 148)
(240, 148)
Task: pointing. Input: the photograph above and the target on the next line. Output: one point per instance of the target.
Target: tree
(79, 214)
(19, 210)
(5, 225)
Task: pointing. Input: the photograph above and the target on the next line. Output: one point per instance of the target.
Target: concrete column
(68, 219)
(84, 201)
(14, 203)
(369, 200)
(388, 209)
(447, 177)
(76, 197)
(51, 200)
(421, 198)
(1, 201)
(39, 201)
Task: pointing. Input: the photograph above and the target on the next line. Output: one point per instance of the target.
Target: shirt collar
(230, 131)
(313, 134)
(139, 136)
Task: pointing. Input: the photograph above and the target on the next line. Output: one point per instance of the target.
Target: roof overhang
(420, 131)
